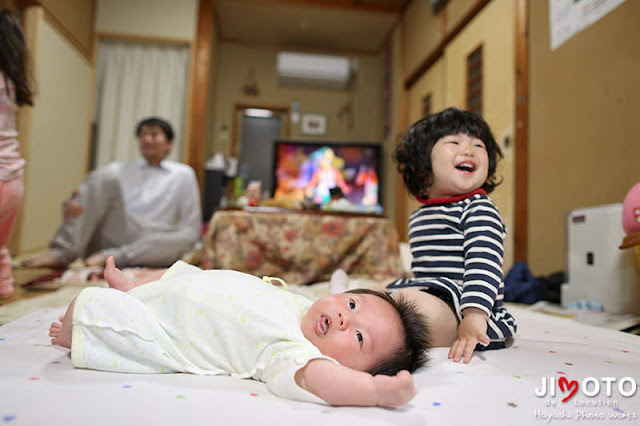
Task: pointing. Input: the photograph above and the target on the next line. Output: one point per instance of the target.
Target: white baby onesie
(195, 321)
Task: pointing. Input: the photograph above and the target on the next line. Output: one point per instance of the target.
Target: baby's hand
(471, 331)
(394, 391)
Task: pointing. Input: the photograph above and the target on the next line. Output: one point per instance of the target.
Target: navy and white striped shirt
(457, 246)
(461, 240)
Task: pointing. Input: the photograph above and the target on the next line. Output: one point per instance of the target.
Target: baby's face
(357, 330)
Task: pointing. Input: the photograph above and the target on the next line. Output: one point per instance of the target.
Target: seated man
(143, 213)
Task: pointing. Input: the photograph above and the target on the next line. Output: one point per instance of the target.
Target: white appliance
(304, 69)
(598, 271)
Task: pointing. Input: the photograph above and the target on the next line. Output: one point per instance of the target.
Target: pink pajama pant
(10, 197)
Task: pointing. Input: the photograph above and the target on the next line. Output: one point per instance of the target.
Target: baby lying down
(354, 348)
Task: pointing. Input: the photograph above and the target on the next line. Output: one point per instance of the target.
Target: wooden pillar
(521, 132)
(401, 191)
(198, 89)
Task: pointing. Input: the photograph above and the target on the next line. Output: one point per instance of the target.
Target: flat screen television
(314, 172)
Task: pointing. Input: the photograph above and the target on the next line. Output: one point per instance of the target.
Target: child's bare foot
(45, 260)
(339, 282)
(55, 331)
(114, 276)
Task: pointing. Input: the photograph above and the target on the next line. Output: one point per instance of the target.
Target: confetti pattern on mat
(561, 372)
(617, 410)
(552, 352)
(512, 404)
(253, 394)
(55, 362)
(126, 386)
(33, 379)
(180, 397)
(7, 419)
(436, 403)
(568, 363)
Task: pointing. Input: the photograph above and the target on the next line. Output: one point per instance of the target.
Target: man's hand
(96, 259)
(394, 391)
(71, 208)
(471, 331)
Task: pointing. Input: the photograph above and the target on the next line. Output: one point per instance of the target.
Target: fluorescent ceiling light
(258, 112)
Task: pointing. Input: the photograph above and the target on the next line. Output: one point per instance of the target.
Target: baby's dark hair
(156, 122)
(414, 352)
(413, 154)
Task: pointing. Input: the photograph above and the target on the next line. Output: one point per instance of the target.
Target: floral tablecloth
(300, 247)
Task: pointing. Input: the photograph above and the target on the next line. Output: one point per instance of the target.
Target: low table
(302, 247)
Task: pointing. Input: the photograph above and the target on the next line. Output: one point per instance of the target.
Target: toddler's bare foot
(339, 282)
(114, 276)
(45, 260)
(55, 331)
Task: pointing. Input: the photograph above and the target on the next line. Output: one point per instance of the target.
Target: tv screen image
(315, 172)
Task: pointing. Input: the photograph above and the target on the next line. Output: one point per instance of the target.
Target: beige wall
(583, 124)
(211, 96)
(168, 19)
(422, 34)
(391, 175)
(57, 146)
(456, 11)
(77, 17)
(234, 62)
(431, 82)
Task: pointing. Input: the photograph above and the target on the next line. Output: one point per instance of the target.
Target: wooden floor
(21, 276)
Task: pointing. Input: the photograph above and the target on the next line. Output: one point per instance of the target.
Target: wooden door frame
(196, 111)
(521, 208)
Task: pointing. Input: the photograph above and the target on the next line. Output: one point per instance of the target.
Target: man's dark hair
(156, 122)
(413, 353)
(413, 154)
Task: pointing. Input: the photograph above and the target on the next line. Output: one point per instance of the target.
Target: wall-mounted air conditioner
(303, 69)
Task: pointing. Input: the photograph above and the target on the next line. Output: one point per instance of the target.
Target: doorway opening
(255, 129)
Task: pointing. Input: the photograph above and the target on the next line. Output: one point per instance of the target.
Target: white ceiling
(333, 25)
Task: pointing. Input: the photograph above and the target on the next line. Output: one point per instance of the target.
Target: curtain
(134, 81)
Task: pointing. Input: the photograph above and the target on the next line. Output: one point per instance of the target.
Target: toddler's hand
(394, 391)
(471, 331)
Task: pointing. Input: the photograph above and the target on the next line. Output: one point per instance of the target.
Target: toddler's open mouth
(466, 167)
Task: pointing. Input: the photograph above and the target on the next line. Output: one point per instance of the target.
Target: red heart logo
(572, 386)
